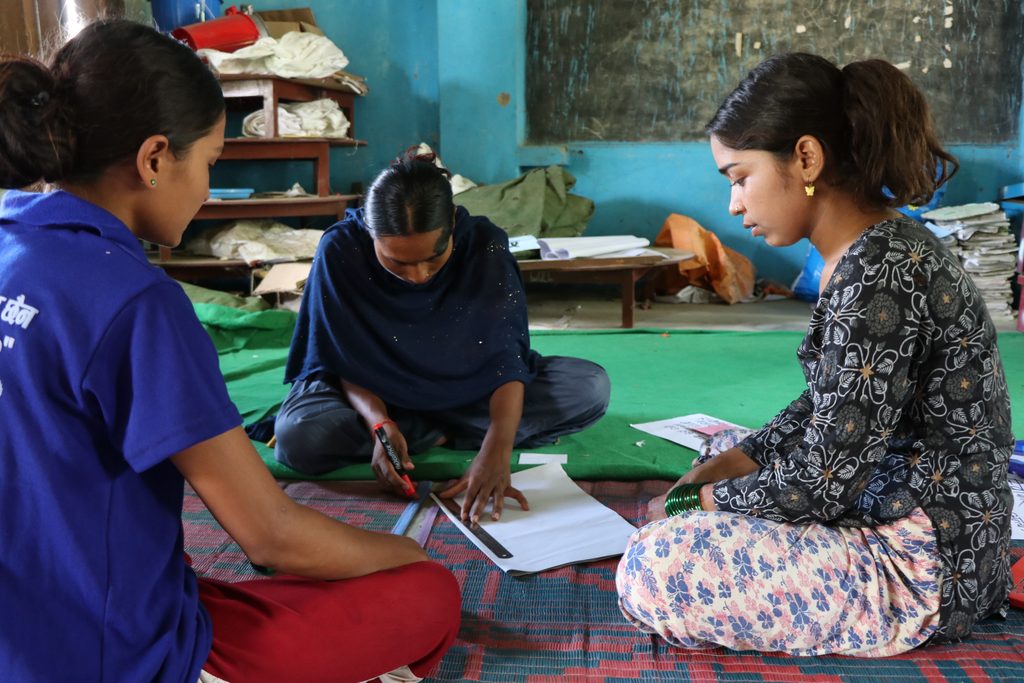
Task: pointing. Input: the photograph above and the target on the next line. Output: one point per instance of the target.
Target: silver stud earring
(152, 181)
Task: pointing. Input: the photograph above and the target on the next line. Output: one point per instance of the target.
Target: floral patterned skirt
(706, 579)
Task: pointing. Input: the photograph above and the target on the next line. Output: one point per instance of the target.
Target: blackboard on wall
(656, 70)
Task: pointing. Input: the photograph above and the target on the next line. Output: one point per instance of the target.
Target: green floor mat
(742, 377)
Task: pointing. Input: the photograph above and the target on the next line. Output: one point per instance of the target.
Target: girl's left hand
(488, 478)
(656, 508)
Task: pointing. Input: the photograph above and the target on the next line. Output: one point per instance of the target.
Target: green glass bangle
(683, 498)
(260, 569)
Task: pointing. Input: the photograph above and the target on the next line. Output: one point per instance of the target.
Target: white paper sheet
(692, 431)
(560, 248)
(564, 526)
(523, 243)
(1017, 518)
(543, 458)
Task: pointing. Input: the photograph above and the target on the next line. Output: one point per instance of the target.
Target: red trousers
(293, 629)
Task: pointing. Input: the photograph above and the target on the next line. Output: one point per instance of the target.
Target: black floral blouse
(906, 406)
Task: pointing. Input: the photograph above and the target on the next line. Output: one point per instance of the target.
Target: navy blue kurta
(431, 346)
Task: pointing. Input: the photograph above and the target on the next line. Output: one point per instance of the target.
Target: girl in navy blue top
(414, 319)
(111, 398)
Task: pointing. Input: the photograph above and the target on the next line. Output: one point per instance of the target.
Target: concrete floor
(572, 307)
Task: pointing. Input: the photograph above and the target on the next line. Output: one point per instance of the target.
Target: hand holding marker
(396, 462)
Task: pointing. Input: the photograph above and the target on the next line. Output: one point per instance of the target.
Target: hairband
(40, 99)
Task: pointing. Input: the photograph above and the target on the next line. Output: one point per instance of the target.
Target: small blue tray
(231, 192)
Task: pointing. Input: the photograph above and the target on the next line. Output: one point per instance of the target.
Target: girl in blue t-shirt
(111, 398)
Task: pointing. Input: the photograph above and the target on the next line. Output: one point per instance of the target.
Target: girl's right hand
(381, 464)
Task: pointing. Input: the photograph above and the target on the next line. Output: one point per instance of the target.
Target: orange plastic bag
(714, 266)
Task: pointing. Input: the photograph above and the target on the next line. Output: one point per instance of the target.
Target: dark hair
(108, 89)
(412, 195)
(871, 120)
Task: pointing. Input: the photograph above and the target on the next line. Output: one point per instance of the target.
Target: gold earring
(152, 181)
(809, 189)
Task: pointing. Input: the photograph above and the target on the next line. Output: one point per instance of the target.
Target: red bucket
(227, 33)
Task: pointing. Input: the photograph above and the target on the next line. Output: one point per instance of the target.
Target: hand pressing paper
(564, 526)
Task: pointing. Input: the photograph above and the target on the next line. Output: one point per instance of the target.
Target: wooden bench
(624, 271)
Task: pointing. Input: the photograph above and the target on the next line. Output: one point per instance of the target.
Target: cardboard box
(285, 278)
(282, 21)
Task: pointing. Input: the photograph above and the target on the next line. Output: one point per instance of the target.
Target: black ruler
(489, 541)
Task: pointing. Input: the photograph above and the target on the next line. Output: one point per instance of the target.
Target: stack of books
(985, 246)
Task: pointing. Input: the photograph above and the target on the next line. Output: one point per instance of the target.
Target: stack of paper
(693, 431)
(558, 248)
(1017, 515)
(986, 248)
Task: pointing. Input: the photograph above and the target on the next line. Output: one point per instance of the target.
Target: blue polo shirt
(104, 373)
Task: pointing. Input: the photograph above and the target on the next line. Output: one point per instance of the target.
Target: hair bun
(415, 154)
(36, 142)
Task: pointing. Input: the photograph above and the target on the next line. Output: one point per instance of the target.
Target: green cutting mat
(742, 377)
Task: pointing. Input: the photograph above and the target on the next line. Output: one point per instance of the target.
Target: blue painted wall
(394, 46)
(482, 53)
(452, 73)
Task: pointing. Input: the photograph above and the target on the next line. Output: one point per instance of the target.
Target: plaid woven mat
(564, 625)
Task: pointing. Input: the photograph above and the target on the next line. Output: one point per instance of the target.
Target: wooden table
(625, 271)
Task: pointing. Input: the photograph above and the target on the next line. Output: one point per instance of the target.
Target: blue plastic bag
(171, 14)
(805, 287)
(915, 212)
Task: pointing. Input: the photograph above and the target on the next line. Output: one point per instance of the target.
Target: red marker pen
(396, 462)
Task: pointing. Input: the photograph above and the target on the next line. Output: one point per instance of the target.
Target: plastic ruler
(417, 519)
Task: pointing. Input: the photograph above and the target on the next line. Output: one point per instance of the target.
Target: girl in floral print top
(904, 428)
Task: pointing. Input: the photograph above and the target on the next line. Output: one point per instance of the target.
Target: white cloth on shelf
(295, 55)
(316, 119)
(257, 240)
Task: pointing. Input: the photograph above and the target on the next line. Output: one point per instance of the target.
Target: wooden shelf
(317, 150)
(272, 89)
(238, 146)
(286, 84)
(269, 208)
(227, 209)
(220, 209)
(201, 262)
(197, 268)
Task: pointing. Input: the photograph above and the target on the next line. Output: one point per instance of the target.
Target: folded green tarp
(536, 203)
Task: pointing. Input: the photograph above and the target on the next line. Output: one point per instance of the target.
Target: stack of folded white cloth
(316, 119)
(295, 55)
